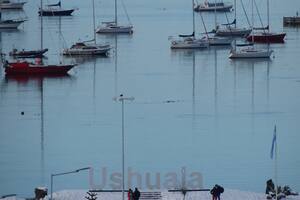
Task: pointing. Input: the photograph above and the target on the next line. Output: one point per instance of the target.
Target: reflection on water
(196, 109)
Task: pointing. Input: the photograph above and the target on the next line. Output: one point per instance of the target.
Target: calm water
(219, 120)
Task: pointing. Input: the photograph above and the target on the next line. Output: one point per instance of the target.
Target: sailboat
(190, 41)
(11, 23)
(215, 40)
(55, 10)
(114, 26)
(249, 50)
(266, 36)
(234, 31)
(85, 48)
(7, 4)
(38, 68)
(210, 7)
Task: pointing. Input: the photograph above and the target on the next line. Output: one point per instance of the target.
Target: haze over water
(193, 109)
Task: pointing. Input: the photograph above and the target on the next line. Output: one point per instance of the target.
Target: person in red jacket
(130, 194)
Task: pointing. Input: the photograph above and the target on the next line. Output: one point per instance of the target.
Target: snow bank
(227, 195)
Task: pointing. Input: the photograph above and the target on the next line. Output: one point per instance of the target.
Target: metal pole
(123, 153)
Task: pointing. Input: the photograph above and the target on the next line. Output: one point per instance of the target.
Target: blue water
(193, 109)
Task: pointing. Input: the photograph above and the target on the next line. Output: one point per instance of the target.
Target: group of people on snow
(133, 195)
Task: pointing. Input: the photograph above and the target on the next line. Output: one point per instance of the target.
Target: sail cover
(261, 28)
(191, 35)
(57, 4)
(234, 22)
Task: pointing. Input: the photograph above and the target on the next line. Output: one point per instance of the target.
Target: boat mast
(235, 13)
(268, 13)
(41, 13)
(252, 21)
(216, 15)
(116, 12)
(94, 26)
(193, 18)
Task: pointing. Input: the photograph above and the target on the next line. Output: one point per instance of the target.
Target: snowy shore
(229, 194)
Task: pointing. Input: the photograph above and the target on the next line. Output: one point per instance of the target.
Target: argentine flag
(273, 143)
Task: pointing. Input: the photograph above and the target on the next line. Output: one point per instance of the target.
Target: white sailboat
(234, 31)
(11, 23)
(250, 51)
(88, 48)
(114, 26)
(190, 41)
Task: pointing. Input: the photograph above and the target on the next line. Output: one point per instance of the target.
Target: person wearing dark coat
(216, 192)
(136, 194)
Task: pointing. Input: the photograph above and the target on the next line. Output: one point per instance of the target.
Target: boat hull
(233, 32)
(200, 8)
(118, 29)
(195, 44)
(267, 38)
(250, 54)
(28, 54)
(11, 24)
(56, 12)
(24, 68)
(219, 41)
(70, 52)
(17, 5)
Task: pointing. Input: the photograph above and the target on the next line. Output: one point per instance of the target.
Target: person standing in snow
(136, 194)
(130, 194)
(213, 193)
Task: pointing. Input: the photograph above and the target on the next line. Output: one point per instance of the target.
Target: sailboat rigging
(11, 23)
(86, 48)
(249, 50)
(266, 36)
(38, 68)
(55, 10)
(114, 26)
(216, 40)
(190, 41)
(234, 31)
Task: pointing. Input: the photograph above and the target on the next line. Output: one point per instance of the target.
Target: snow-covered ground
(229, 194)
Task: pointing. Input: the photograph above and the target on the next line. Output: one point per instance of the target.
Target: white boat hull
(236, 32)
(17, 5)
(115, 29)
(250, 53)
(10, 25)
(217, 41)
(99, 50)
(189, 43)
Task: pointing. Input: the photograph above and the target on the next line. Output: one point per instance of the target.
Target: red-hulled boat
(28, 68)
(266, 37)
